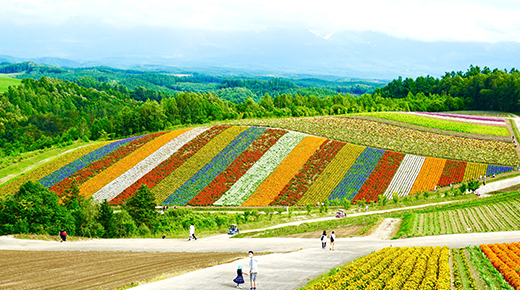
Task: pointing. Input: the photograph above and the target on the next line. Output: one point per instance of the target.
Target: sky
(424, 20)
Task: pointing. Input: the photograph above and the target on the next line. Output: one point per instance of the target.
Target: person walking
(63, 235)
(239, 279)
(253, 270)
(332, 240)
(324, 240)
(192, 232)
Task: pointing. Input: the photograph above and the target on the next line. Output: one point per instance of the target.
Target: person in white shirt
(332, 240)
(192, 233)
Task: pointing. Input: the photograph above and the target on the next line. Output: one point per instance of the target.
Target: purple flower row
(497, 169)
(71, 168)
(357, 174)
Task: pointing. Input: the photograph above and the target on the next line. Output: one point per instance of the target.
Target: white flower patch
(405, 176)
(128, 178)
(251, 180)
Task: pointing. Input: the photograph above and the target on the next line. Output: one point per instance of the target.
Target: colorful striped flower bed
(98, 166)
(429, 176)
(332, 175)
(405, 176)
(283, 174)
(380, 177)
(497, 169)
(160, 172)
(73, 167)
(249, 182)
(218, 186)
(294, 190)
(213, 168)
(37, 174)
(357, 174)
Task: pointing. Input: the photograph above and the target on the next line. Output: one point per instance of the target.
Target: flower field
(506, 259)
(399, 138)
(250, 166)
(394, 268)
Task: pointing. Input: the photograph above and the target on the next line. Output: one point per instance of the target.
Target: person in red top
(63, 235)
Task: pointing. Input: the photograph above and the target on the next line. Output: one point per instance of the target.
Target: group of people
(324, 240)
(252, 272)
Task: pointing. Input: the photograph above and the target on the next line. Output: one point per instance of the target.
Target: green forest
(48, 111)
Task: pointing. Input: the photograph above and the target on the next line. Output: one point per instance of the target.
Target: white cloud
(428, 20)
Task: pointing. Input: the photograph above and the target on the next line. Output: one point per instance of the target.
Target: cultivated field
(97, 269)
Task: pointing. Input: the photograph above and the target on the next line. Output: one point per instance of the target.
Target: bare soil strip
(95, 269)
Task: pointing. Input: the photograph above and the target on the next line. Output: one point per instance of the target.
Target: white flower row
(251, 180)
(128, 178)
(405, 176)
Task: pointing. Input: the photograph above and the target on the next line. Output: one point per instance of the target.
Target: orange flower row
(429, 175)
(97, 182)
(499, 255)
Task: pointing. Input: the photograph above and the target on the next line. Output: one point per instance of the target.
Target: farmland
(490, 217)
(398, 138)
(253, 166)
(97, 269)
(464, 123)
(5, 83)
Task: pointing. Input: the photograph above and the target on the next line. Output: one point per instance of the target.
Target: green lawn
(6, 82)
(442, 124)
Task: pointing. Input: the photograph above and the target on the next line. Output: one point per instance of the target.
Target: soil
(387, 229)
(346, 232)
(97, 269)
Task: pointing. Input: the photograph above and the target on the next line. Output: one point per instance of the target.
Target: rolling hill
(246, 166)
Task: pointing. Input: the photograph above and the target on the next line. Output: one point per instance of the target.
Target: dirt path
(387, 229)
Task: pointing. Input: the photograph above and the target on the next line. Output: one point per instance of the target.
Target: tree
(141, 206)
(72, 194)
(106, 219)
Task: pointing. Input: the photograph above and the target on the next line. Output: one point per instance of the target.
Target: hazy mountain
(289, 51)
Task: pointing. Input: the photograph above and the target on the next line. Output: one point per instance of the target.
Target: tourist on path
(192, 232)
(239, 279)
(63, 235)
(332, 240)
(253, 270)
(324, 240)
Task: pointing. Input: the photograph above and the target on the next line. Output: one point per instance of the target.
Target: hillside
(249, 166)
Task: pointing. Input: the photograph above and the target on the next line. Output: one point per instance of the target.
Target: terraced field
(254, 166)
(500, 216)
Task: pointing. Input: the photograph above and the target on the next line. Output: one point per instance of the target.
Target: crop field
(97, 270)
(400, 139)
(239, 166)
(394, 268)
(506, 259)
(450, 122)
(500, 216)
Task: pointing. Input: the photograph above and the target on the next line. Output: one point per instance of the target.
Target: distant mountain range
(277, 51)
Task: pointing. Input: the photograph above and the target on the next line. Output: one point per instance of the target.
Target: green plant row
(489, 274)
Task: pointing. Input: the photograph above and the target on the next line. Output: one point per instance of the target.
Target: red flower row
(96, 167)
(301, 182)
(164, 169)
(381, 176)
(453, 172)
(223, 182)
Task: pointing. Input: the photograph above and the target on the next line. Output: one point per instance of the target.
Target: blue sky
(425, 20)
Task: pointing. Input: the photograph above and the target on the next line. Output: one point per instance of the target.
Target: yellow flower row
(97, 182)
(179, 176)
(49, 167)
(394, 268)
(332, 175)
(276, 181)
(474, 170)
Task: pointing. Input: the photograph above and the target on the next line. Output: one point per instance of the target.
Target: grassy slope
(436, 123)
(6, 82)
